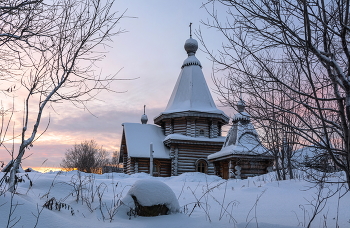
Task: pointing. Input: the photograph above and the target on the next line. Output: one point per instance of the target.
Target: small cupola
(144, 117)
(241, 115)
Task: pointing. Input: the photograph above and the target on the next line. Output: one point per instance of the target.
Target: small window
(156, 168)
(202, 166)
(201, 132)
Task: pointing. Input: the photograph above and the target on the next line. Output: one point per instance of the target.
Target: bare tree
(115, 158)
(59, 66)
(273, 124)
(86, 157)
(302, 47)
(275, 131)
(22, 24)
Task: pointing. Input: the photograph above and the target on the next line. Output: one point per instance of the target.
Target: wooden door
(225, 170)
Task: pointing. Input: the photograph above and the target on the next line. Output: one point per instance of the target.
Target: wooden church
(242, 154)
(184, 134)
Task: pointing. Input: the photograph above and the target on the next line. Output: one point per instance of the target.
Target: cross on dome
(190, 29)
(191, 45)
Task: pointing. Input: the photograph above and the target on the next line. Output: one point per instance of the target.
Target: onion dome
(144, 117)
(191, 46)
(241, 105)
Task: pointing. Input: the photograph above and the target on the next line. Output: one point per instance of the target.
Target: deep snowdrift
(89, 200)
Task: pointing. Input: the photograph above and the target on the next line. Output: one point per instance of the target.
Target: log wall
(191, 126)
(249, 167)
(141, 165)
(189, 154)
(180, 126)
(203, 124)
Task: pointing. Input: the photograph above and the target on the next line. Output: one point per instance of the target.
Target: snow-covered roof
(242, 138)
(191, 92)
(241, 116)
(309, 153)
(247, 148)
(138, 138)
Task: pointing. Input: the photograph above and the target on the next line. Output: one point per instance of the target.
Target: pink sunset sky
(152, 52)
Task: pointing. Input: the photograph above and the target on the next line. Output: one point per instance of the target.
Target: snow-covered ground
(205, 201)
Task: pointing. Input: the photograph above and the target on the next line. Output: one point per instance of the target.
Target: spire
(191, 92)
(144, 117)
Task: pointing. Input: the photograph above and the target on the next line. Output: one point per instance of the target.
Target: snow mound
(140, 175)
(196, 177)
(152, 192)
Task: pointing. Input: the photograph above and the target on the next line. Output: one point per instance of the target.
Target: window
(201, 132)
(156, 168)
(202, 166)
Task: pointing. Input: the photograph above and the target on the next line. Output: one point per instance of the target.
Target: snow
(242, 139)
(309, 153)
(246, 149)
(205, 201)
(189, 138)
(241, 116)
(140, 136)
(6, 168)
(191, 60)
(191, 92)
(152, 192)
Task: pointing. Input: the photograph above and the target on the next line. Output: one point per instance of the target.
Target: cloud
(75, 126)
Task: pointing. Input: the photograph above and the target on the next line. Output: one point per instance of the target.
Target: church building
(242, 154)
(184, 134)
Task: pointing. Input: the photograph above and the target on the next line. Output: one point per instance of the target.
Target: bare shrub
(87, 157)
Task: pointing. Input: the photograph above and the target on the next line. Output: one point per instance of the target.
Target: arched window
(201, 132)
(202, 166)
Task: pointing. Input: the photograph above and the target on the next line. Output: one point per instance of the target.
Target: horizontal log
(192, 156)
(186, 166)
(202, 149)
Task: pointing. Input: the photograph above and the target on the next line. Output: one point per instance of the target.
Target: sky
(151, 54)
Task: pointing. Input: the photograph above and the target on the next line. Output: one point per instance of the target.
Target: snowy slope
(205, 201)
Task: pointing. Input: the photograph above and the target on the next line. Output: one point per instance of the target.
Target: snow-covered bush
(151, 198)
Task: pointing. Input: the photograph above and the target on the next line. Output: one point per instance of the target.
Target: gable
(138, 138)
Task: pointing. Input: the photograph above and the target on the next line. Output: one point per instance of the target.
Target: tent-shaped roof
(139, 137)
(242, 138)
(191, 92)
